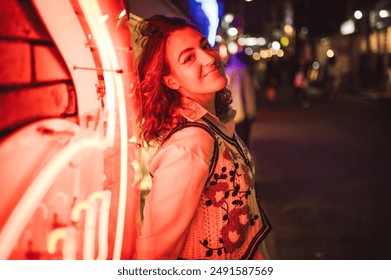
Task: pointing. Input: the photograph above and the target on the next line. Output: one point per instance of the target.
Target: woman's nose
(206, 57)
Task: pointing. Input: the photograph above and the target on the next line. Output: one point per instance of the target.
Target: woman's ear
(171, 82)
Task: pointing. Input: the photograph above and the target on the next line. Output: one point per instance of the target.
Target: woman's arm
(180, 170)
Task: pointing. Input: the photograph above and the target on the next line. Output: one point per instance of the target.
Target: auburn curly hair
(160, 103)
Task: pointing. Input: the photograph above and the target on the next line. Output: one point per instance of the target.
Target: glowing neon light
(31, 199)
(53, 238)
(68, 235)
(103, 233)
(89, 207)
(23, 211)
(70, 39)
(104, 18)
(211, 10)
(122, 14)
(114, 83)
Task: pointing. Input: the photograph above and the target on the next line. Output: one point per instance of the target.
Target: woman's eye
(188, 58)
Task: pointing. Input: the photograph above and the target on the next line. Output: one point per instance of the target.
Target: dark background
(321, 17)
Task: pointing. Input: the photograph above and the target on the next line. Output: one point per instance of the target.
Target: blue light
(206, 15)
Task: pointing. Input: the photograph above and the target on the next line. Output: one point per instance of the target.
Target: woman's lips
(211, 71)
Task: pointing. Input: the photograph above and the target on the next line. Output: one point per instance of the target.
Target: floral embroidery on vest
(231, 197)
(229, 223)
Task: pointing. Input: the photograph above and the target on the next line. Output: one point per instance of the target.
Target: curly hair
(160, 103)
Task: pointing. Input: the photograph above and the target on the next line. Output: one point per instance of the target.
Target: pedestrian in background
(240, 83)
(300, 84)
(272, 79)
(202, 203)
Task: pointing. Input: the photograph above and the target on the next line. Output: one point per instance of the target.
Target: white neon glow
(103, 233)
(99, 32)
(122, 14)
(31, 199)
(114, 84)
(104, 18)
(90, 208)
(211, 10)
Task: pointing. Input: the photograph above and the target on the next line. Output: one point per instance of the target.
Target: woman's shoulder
(194, 137)
(193, 133)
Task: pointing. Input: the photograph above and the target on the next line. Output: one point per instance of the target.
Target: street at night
(324, 177)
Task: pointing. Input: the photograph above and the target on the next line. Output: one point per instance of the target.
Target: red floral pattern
(229, 189)
(234, 232)
(217, 193)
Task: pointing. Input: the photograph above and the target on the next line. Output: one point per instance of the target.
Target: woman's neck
(208, 102)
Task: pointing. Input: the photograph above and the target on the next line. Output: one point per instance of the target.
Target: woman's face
(195, 67)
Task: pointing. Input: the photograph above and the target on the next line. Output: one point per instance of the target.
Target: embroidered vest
(229, 222)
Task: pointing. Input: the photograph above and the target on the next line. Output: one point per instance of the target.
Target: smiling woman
(202, 203)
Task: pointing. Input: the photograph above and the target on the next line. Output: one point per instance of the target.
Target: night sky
(321, 17)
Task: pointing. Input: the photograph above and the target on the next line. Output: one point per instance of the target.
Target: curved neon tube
(39, 187)
(114, 83)
(104, 215)
(68, 235)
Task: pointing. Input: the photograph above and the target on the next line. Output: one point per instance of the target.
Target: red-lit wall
(34, 81)
(69, 159)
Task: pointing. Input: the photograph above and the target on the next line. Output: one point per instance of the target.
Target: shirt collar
(193, 111)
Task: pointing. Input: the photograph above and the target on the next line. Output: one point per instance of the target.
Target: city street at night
(324, 177)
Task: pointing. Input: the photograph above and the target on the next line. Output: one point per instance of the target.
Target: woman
(202, 203)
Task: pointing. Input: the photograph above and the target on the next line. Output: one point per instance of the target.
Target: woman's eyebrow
(201, 41)
(183, 52)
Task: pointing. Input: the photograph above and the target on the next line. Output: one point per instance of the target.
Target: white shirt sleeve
(180, 170)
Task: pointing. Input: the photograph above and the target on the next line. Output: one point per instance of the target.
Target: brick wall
(34, 80)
